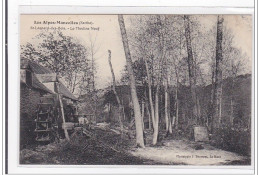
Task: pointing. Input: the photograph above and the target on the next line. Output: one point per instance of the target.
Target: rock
(201, 134)
(198, 147)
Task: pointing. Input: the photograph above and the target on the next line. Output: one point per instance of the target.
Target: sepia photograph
(162, 89)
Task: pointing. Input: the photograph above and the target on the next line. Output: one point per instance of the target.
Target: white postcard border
(13, 72)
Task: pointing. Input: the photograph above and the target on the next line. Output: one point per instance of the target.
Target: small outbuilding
(37, 81)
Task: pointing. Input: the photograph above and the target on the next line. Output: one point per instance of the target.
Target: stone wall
(29, 99)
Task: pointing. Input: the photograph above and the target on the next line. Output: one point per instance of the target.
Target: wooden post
(62, 112)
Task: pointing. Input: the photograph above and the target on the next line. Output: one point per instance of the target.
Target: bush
(229, 139)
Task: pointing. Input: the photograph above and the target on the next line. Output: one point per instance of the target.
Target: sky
(105, 31)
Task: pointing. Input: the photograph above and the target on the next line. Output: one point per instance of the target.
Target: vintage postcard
(136, 90)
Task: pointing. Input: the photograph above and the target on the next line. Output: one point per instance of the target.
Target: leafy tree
(64, 55)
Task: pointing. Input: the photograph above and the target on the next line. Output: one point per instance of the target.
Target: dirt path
(109, 148)
(189, 153)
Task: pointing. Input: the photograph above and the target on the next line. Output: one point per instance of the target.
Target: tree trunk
(176, 99)
(74, 83)
(147, 110)
(150, 91)
(143, 113)
(177, 107)
(123, 109)
(162, 46)
(156, 119)
(175, 118)
(170, 126)
(231, 112)
(62, 112)
(137, 111)
(114, 89)
(211, 104)
(191, 68)
(149, 116)
(166, 111)
(166, 108)
(93, 79)
(232, 103)
(218, 76)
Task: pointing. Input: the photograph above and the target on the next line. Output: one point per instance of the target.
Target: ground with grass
(106, 146)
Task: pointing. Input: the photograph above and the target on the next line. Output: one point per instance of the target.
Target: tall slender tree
(168, 126)
(150, 91)
(217, 95)
(161, 41)
(120, 106)
(137, 111)
(191, 69)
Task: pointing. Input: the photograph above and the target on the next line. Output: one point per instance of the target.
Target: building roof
(66, 92)
(41, 75)
(38, 85)
(35, 67)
